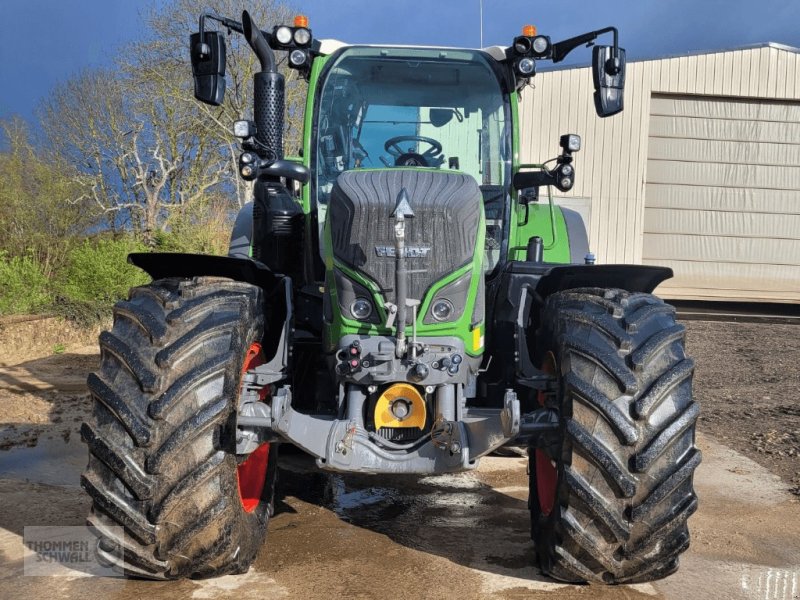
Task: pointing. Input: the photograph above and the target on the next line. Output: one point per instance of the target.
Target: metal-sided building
(700, 172)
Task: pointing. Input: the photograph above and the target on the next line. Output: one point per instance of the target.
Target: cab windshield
(415, 107)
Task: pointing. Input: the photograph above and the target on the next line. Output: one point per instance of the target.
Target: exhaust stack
(268, 94)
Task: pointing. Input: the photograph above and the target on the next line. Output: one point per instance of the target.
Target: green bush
(23, 285)
(97, 273)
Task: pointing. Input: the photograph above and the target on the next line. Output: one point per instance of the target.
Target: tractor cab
(394, 107)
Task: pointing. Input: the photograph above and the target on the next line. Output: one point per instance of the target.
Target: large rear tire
(162, 440)
(611, 494)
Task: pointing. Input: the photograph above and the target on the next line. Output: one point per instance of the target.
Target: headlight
(302, 36)
(566, 170)
(566, 183)
(442, 310)
(526, 66)
(449, 302)
(283, 35)
(297, 58)
(361, 308)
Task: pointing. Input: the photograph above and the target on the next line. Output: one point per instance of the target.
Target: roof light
(302, 36)
(244, 129)
(302, 21)
(522, 45)
(284, 35)
(540, 44)
(526, 67)
(529, 30)
(570, 142)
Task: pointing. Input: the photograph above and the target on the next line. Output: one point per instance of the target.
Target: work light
(283, 35)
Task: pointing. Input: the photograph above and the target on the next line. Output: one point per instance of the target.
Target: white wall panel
(722, 223)
(723, 196)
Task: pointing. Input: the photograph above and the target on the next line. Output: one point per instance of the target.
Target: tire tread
(161, 461)
(621, 513)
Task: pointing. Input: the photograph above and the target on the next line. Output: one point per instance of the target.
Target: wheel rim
(251, 474)
(546, 482)
(546, 472)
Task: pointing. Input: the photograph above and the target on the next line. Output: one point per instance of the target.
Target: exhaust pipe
(268, 94)
(259, 45)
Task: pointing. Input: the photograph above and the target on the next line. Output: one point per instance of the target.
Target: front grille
(442, 233)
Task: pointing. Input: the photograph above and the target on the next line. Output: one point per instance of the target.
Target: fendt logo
(410, 251)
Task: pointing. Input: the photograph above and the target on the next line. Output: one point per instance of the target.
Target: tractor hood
(439, 239)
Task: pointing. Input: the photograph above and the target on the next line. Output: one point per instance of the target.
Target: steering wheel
(413, 159)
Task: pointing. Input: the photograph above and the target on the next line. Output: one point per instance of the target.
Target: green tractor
(395, 301)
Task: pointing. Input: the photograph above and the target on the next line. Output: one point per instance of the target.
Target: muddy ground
(747, 381)
(748, 384)
(459, 536)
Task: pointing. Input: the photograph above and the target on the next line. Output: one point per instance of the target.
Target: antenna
(480, 3)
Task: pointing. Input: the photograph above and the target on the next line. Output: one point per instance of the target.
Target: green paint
(546, 221)
(421, 169)
(540, 222)
(514, 101)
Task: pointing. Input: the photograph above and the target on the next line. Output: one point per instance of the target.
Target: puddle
(764, 583)
(251, 585)
(50, 461)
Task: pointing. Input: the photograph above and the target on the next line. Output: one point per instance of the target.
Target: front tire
(162, 440)
(611, 494)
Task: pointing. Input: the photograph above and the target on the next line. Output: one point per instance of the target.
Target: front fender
(278, 308)
(524, 286)
(633, 278)
(161, 265)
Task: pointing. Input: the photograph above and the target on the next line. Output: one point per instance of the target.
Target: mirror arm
(561, 49)
(229, 23)
(534, 179)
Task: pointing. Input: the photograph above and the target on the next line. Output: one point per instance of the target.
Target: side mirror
(608, 72)
(208, 66)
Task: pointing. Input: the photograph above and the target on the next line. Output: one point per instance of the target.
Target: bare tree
(172, 25)
(145, 148)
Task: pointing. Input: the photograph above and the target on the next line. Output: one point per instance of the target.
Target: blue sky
(47, 41)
